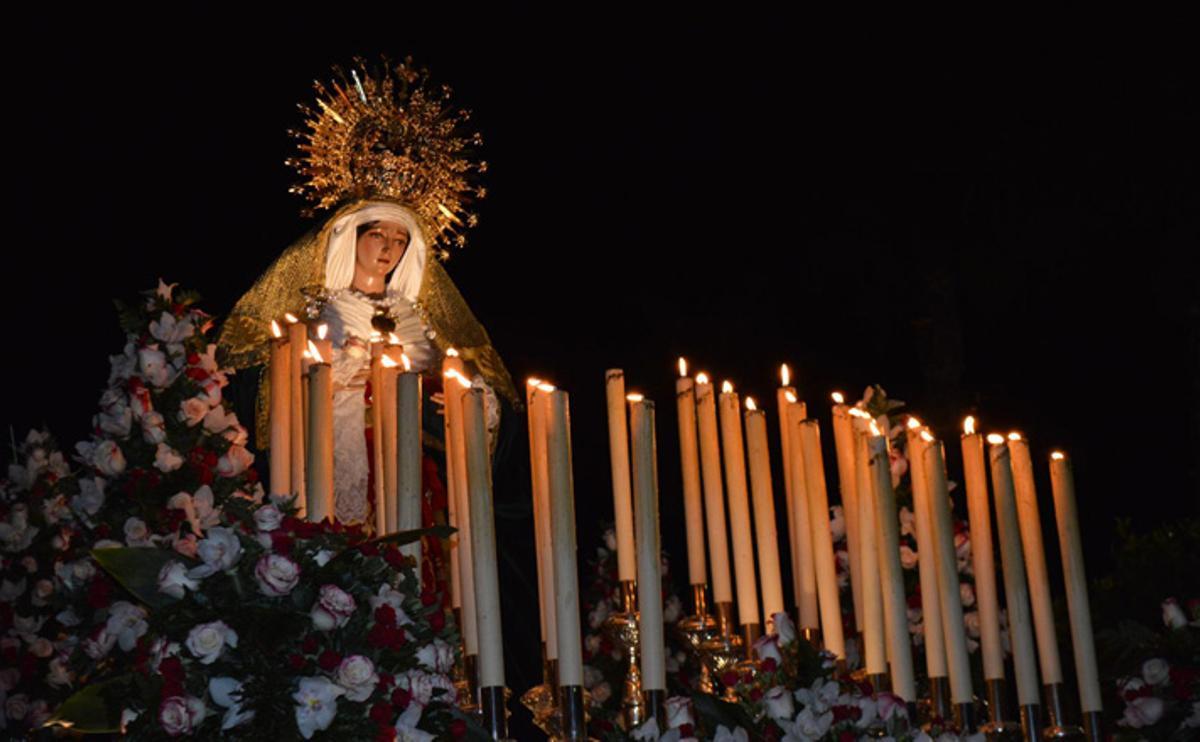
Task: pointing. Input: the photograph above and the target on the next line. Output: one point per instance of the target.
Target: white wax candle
(380, 421)
(822, 540)
(562, 519)
(981, 553)
(783, 402)
(957, 657)
(649, 553)
(297, 335)
(874, 640)
(389, 378)
(714, 491)
(764, 515)
(734, 456)
(843, 438)
(319, 489)
(935, 647)
(618, 452)
(483, 541)
(802, 546)
(1035, 560)
(281, 417)
(451, 364)
(454, 387)
(1062, 481)
(539, 410)
(895, 613)
(1016, 589)
(689, 461)
(408, 460)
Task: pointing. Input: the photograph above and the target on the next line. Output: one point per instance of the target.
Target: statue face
(380, 248)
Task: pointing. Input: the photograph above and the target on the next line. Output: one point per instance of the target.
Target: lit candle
(408, 456)
(714, 491)
(297, 335)
(281, 412)
(1016, 590)
(981, 539)
(764, 512)
(452, 364)
(483, 541)
(891, 573)
(785, 396)
(379, 423)
(618, 452)
(562, 519)
(1035, 559)
(389, 377)
(689, 460)
(822, 540)
(802, 547)
(958, 662)
(455, 385)
(739, 506)
(649, 554)
(935, 648)
(1062, 481)
(874, 641)
(843, 439)
(319, 455)
(539, 410)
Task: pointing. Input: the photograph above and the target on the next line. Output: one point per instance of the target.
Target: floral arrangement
(185, 602)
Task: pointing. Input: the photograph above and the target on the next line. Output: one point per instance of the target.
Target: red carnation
(386, 615)
(329, 660)
(729, 678)
(756, 694)
(394, 558)
(846, 736)
(297, 661)
(381, 712)
(438, 620)
(310, 644)
(385, 733)
(768, 665)
(401, 698)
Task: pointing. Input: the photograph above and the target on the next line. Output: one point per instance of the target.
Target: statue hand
(439, 399)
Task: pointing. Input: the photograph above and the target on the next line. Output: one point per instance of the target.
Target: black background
(1008, 231)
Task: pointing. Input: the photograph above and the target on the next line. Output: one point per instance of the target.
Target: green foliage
(92, 709)
(137, 569)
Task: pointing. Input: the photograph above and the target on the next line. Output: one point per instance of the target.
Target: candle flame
(969, 425)
(875, 429)
(1014, 436)
(995, 439)
(927, 436)
(913, 423)
(531, 381)
(406, 361)
(785, 374)
(275, 329)
(635, 397)
(454, 374)
(682, 366)
(387, 362)
(859, 412)
(790, 397)
(726, 387)
(1058, 456)
(838, 398)
(701, 378)
(376, 337)
(315, 352)
(452, 352)
(291, 318)
(305, 354)
(322, 331)
(394, 339)
(750, 404)
(546, 388)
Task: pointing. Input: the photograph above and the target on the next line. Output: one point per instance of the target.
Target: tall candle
(764, 512)
(981, 553)
(408, 456)
(319, 454)
(379, 422)
(389, 378)
(281, 413)
(451, 365)
(822, 540)
(618, 452)
(785, 396)
(562, 519)
(1062, 481)
(539, 410)
(689, 460)
(874, 640)
(1016, 589)
(802, 546)
(891, 573)
(455, 385)
(957, 659)
(714, 491)
(1035, 560)
(649, 553)
(935, 648)
(843, 439)
(734, 457)
(483, 541)
(297, 335)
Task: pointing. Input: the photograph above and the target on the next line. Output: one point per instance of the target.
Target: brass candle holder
(697, 629)
(468, 700)
(622, 627)
(542, 700)
(723, 652)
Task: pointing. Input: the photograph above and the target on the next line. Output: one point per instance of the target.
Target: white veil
(343, 240)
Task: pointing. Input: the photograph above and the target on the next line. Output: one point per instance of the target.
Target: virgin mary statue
(390, 162)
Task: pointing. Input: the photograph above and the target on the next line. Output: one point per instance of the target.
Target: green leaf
(137, 568)
(87, 711)
(717, 712)
(400, 538)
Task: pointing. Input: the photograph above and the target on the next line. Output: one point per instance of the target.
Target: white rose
(1142, 712)
(610, 539)
(966, 593)
(207, 640)
(316, 704)
(725, 734)
(971, 621)
(167, 459)
(55, 509)
(601, 693)
(126, 622)
(1173, 615)
(220, 551)
(58, 676)
(118, 422)
(192, 411)
(41, 647)
(678, 711)
(174, 581)
(837, 522)
(136, 532)
(122, 366)
(598, 614)
(767, 647)
(276, 575)
(218, 420)
(908, 557)
(777, 702)
(437, 656)
(672, 609)
(235, 461)
(16, 707)
(181, 714)
(91, 496)
(42, 590)
(907, 522)
(1156, 671)
(333, 608)
(268, 518)
(152, 363)
(784, 628)
(357, 675)
(154, 428)
(108, 458)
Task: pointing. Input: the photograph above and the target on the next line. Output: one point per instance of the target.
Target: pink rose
(235, 461)
(181, 715)
(108, 458)
(767, 647)
(333, 609)
(277, 575)
(192, 411)
(1173, 615)
(1142, 712)
(679, 711)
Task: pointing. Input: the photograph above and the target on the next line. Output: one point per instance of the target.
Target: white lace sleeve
(346, 363)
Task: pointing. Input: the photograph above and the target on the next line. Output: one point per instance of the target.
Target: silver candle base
(997, 728)
(1057, 728)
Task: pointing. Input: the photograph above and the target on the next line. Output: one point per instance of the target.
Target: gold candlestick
(697, 629)
(622, 627)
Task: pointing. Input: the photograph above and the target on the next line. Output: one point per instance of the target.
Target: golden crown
(391, 136)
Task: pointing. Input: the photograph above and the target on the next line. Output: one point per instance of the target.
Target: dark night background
(1007, 232)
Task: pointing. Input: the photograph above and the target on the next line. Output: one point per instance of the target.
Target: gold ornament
(391, 136)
